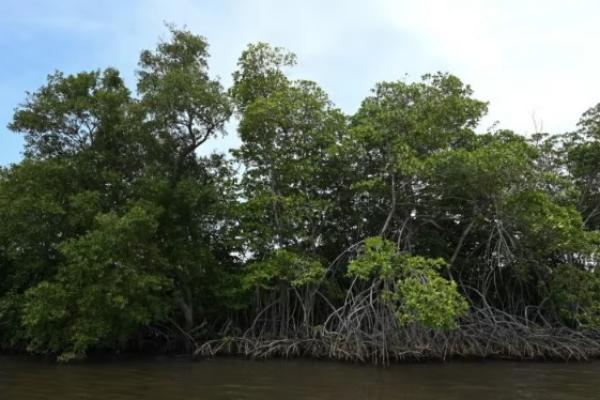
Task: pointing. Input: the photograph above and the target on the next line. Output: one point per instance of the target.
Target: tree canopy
(398, 218)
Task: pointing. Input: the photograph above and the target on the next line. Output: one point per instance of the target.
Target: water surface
(23, 378)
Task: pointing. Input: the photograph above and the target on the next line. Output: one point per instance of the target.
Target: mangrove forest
(400, 232)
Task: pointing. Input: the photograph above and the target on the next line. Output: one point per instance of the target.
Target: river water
(23, 378)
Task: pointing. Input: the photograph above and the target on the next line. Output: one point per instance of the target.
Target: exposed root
(482, 334)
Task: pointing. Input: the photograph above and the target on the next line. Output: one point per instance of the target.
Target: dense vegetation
(397, 232)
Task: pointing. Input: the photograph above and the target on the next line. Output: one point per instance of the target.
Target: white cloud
(523, 56)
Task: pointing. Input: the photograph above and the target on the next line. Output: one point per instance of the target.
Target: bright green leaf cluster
(413, 284)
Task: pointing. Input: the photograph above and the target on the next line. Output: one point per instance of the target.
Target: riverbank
(487, 335)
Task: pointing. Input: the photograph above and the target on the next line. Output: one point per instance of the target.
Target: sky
(532, 60)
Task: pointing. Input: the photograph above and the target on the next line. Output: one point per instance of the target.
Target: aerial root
(489, 334)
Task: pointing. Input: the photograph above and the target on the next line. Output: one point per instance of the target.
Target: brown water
(163, 378)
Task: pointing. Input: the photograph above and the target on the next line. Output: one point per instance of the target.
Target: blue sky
(530, 59)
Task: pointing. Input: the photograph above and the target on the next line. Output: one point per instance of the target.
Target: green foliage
(71, 113)
(576, 295)
(378, 259)
(34, 209)
(289, 131)
(260, 73)
(112, 219)
(426, 298)
(114, 226)
(429, 115)
(412, 284)
(109, 285)
(285, 267)
(187, 107)
(547, 226)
